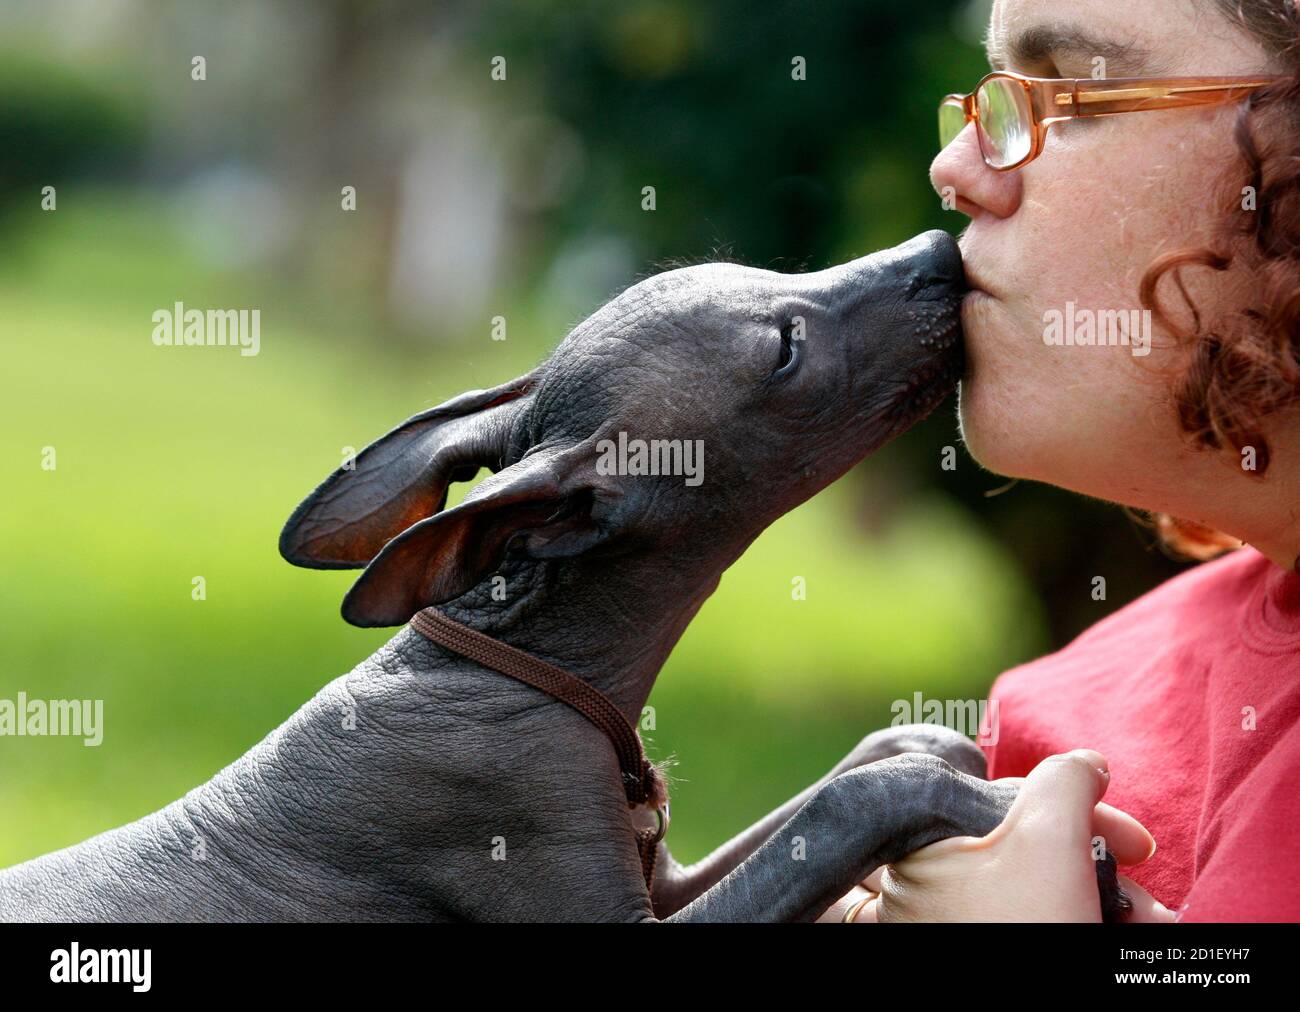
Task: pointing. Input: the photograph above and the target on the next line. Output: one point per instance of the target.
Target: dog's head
(684, 416)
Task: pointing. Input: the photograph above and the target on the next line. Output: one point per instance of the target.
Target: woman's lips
(976, 284)
(973, 324)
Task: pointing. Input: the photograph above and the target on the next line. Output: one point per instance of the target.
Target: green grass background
(174, 463)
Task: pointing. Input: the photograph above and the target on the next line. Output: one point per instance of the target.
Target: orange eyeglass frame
(1056, 99)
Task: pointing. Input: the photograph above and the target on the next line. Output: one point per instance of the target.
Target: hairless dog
(422, 786)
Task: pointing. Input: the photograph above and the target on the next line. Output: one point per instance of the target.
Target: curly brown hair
(1243, 367)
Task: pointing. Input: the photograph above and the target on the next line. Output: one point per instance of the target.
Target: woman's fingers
(1060, 801)
(872, 881)
(1146, 908)
(841, 907)
(1125, 837)
(870, 912)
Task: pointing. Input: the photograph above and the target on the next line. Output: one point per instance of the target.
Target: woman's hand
(1036, 866)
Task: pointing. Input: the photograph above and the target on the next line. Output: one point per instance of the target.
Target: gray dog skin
(396, 817)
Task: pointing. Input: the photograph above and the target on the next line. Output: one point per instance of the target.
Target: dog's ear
(401, 478)
(552, 504)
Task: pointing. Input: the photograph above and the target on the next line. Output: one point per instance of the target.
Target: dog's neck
(611, 624)
(541, 775)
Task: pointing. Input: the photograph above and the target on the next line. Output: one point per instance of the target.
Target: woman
(1191, 694)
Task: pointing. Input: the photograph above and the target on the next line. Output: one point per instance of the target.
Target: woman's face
(1075, 230)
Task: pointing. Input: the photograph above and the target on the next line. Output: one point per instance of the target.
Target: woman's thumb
(1061, 792)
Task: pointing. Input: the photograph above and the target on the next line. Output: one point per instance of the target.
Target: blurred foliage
(57, 125)
(700, 100)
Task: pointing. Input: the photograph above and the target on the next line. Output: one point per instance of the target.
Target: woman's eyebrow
(1066, 44)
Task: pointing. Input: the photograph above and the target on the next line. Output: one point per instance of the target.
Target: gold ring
(851, 914)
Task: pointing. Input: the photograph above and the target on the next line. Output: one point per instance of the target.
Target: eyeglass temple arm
(1084, 97)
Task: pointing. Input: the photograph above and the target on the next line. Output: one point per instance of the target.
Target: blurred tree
(704, 103)
(58, 127)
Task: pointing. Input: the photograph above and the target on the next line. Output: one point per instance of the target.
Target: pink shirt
(1193, 695)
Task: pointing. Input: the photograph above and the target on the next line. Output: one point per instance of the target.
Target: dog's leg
(856, 822)
(677, 885)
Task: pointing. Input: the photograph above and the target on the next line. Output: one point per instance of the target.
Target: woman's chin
(995, 412)
(990, 433)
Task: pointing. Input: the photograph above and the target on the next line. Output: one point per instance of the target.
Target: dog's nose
(929, 266)
(925, 268)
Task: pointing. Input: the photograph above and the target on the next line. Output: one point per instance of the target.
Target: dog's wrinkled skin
(398, 817)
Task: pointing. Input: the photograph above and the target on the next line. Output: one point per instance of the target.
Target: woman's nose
(959, 175)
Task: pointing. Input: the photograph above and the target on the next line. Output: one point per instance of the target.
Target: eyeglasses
(1012, 112)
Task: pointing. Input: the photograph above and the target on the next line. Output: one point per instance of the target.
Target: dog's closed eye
(788, 360)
